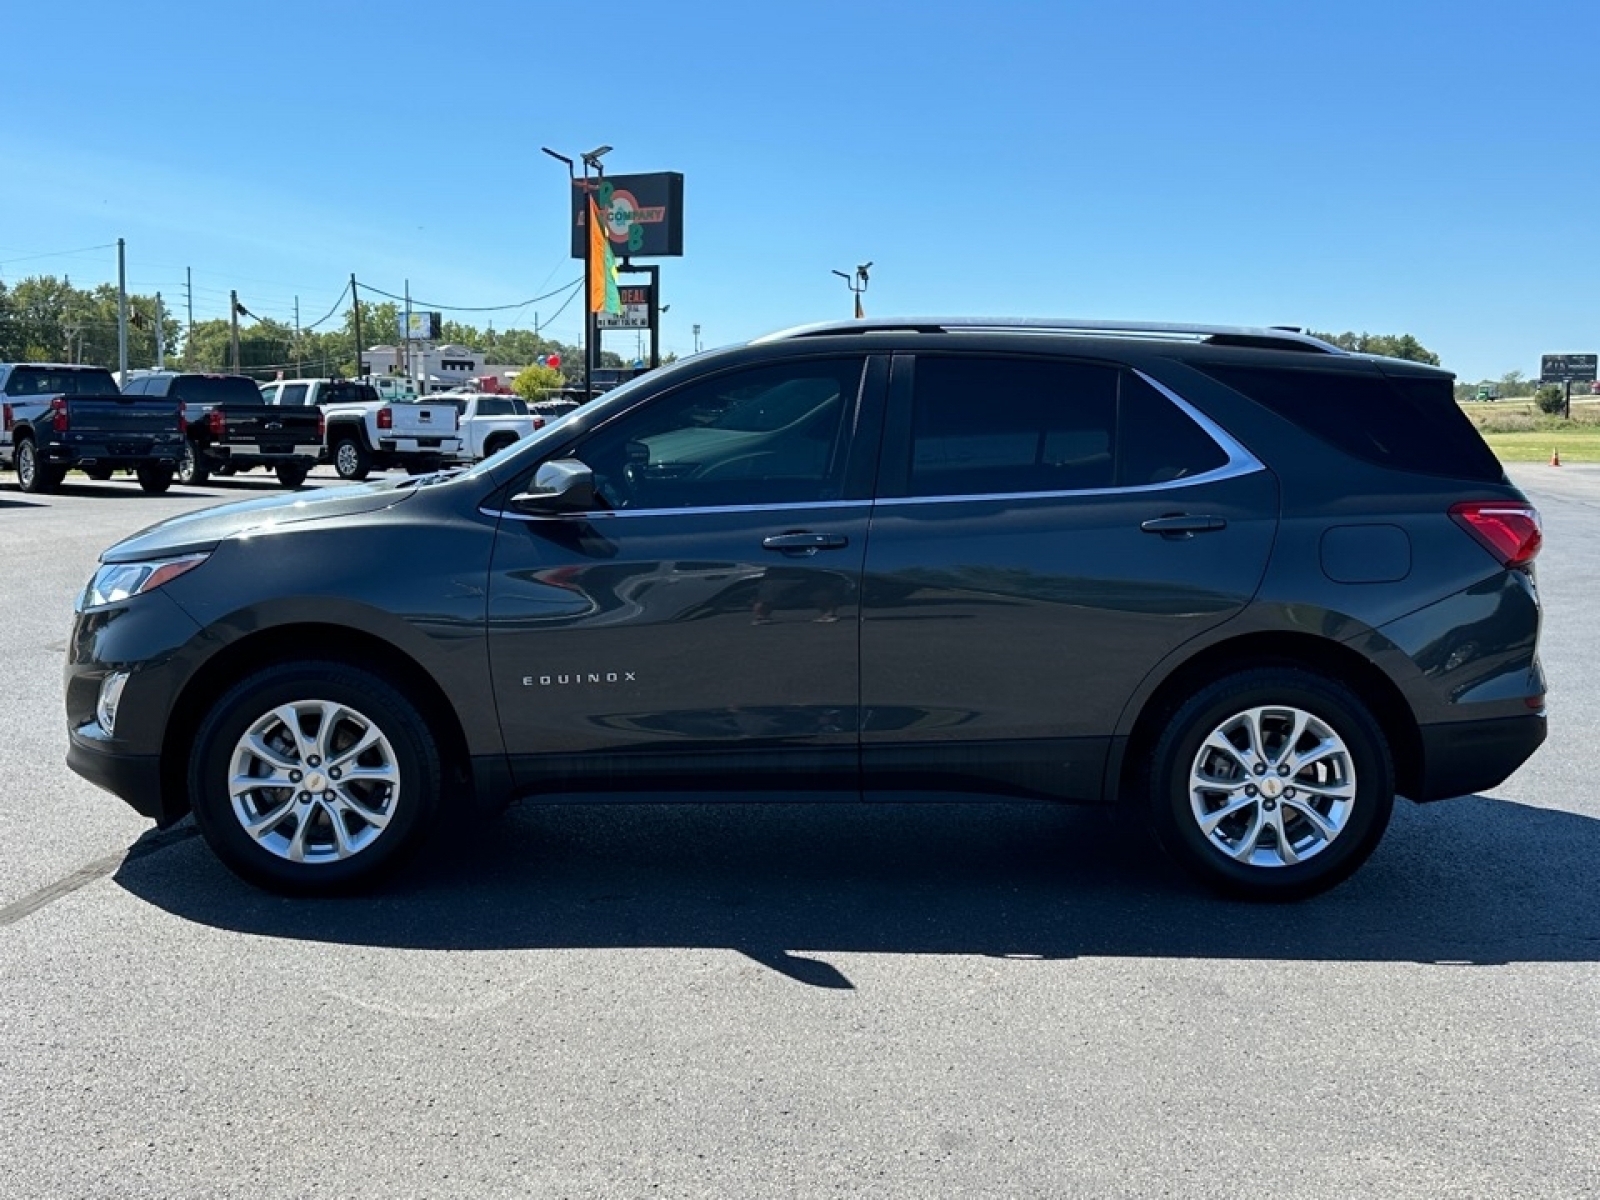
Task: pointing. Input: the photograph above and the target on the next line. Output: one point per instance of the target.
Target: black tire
(98, 474)
(1291, 855)
(359, 702)
(423, 466)
(154, 478)
(496, 444)
(292, 475)
(350, 458)
(193, 470)
(227, 468)
(33, 476)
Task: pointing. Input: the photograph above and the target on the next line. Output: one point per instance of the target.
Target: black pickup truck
(231, 429)
(57, 416)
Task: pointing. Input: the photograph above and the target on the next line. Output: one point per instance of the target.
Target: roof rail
(1277, 338)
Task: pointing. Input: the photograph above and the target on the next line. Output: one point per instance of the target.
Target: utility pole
(697, 339)
(188, 291)
(161, 340)
(296, 337)
(233, 317)
(122, 311)
(406, 341)
(356, 301)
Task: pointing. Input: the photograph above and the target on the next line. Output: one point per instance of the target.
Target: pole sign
(1568, 368)
(643, 214)
(419, 326)
(635, 312)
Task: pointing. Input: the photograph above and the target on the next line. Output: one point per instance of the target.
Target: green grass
(1519, 432)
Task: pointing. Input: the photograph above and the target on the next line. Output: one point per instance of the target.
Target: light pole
(857, 285)
(590, 159)
(697, 339)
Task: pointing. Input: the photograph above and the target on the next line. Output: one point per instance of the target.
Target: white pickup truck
(489, 422)
(364, 431)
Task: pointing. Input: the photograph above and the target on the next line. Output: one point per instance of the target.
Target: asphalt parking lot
(688, 1000)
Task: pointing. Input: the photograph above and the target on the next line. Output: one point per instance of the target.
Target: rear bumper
(1472, 756)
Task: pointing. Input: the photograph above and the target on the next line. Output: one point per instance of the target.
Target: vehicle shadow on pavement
(1472, 881)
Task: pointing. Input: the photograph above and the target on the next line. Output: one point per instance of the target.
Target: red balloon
(554, 362)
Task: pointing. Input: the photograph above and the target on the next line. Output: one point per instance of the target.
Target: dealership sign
(635, 312)
(643, 214)
(1568, 368)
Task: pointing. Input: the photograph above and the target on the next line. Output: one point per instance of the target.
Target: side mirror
(562, 485)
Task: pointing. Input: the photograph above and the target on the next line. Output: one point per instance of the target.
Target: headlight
(119, 581)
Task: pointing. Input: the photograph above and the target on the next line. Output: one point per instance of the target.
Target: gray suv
(1246, 584)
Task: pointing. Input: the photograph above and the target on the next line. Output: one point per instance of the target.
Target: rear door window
(993, 426)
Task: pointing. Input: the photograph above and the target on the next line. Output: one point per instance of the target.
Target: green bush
(1552, 398)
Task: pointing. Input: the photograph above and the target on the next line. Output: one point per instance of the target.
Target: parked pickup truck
(232, 429)
(490, 422)
(54, 417)
(363, 431)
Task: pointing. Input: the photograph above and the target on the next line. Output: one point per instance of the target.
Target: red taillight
(217, 423)
(322, 427)
(386, 418)
(58, 415)
(5, 418)
(1508, 529)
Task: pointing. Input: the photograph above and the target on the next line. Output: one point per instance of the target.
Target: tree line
(46, 319)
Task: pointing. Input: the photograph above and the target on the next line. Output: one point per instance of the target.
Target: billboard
(418, 326)
(635, 312)
(1568, 368)
(643, 214)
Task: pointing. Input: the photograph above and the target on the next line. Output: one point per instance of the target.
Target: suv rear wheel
(313, 777)
(1272, 784)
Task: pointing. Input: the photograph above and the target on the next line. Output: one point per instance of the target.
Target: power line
(430, 305)
(345, 292)
(6, 262)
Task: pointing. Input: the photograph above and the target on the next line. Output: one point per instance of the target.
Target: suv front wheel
(1272, 784)
(312, 777)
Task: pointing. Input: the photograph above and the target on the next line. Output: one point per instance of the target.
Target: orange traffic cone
(1555, 458)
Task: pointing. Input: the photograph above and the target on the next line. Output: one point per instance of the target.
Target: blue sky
(1399, 167)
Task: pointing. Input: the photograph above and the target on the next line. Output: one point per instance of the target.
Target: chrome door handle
(1181, 525)
(804, 543)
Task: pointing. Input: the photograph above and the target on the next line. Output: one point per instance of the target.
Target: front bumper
(134, 778)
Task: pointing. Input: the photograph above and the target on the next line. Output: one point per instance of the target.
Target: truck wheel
(313, 778)
(1271, 784)
(193, 470)
(292, 475)
(496, 444)
(33, 475)
(154, 478)
(350, 458)
(423, 466)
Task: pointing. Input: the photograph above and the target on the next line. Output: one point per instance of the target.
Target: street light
(857, 285)
(697, 339)
(591, 160)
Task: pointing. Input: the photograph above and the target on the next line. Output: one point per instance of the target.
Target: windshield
(60, 381)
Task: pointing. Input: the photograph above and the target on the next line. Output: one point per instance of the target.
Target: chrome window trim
(617, 513)
(1240, 462)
